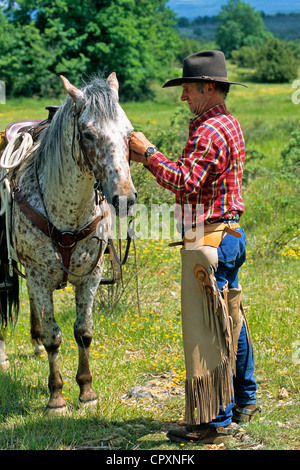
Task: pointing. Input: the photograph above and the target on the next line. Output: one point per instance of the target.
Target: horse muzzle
(122, 204)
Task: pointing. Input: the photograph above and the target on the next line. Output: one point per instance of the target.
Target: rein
(64, 242)
(129, 239)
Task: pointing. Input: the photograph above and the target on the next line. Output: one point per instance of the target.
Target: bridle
(82, 149)
(99, 195)
(69, 236)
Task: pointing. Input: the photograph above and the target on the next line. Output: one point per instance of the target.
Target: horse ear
(112, 81)
(75, 94)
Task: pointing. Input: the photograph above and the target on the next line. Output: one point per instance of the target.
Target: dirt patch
(155, 391)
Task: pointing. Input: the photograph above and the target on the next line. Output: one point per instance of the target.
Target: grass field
(136, 355)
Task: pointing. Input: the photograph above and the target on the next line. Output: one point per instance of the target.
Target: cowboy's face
(198, 97)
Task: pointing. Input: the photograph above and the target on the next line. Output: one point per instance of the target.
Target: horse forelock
(101, 100)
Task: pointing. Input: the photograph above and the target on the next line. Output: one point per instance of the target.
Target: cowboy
(220, 386)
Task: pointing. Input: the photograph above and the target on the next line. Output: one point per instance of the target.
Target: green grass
(138, 340)
(19, 109)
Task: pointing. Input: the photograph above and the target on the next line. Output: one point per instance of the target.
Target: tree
(23, 59)
(183, 22)
(135, 38)
(239, 25)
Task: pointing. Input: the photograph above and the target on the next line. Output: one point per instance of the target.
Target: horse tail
(9, 285)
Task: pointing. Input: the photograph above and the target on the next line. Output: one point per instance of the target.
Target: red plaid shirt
(209, 172)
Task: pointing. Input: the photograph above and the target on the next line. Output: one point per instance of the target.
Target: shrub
(276, 62)
(245, 56)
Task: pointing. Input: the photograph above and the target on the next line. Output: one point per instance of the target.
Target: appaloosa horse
(59, 228)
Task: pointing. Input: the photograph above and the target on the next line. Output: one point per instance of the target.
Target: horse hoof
(39, 350)
(90, 405)
(4, 365)
(62, 411)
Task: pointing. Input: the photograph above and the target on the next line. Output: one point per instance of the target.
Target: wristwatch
(150, 151)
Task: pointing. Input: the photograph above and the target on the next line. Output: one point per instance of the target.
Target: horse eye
(88, 135)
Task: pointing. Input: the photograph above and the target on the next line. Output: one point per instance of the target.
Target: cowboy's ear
(75, 93)
(112, 81)
(210, 87)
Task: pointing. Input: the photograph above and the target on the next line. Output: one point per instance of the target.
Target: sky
(193, 8)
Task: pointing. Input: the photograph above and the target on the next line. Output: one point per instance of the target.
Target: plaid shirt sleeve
(200, 157)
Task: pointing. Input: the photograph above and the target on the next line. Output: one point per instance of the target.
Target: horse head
(103, 131)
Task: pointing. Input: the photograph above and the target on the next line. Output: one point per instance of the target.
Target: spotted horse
(60, 193)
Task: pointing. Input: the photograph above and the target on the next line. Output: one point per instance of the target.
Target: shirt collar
(201, 118)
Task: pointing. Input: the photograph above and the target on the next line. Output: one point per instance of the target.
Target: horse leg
(4, 362)
(35, 329)
(83, 332)
(42, 302)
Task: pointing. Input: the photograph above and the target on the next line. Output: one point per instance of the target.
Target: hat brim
(180, 81)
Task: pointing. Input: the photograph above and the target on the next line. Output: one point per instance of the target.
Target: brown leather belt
(208, 235)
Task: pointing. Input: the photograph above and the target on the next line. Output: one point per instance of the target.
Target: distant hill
(193, 8)
(283, 26)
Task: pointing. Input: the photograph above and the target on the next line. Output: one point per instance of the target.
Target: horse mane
(50, 149)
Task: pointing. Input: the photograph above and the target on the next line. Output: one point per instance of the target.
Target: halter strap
(82, 149)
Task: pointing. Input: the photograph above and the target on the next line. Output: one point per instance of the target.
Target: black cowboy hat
(205, 66)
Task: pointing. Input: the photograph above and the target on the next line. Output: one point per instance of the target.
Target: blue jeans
(232, 254)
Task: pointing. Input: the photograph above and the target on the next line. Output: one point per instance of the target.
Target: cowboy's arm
(191, 170)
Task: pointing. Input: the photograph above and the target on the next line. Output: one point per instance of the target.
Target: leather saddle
(34, 127)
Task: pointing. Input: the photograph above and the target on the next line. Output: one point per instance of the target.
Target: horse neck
(69, 198)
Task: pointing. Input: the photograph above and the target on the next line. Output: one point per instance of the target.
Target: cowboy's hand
(138, 144)
(137, 157)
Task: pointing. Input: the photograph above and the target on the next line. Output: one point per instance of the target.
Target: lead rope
(135, 260)
(137, 278)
